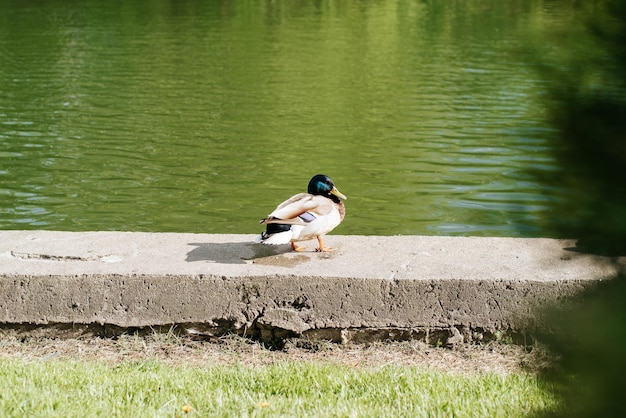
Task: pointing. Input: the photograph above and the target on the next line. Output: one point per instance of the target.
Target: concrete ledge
(370, 287)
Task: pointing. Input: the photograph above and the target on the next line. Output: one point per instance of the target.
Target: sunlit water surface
(202, 116)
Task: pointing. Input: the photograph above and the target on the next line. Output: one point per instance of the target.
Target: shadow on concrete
(592, 247)
(232, 252)
(598, 258)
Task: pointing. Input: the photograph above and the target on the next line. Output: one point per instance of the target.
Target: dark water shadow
(233, 252)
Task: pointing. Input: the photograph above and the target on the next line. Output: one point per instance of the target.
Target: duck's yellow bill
(338, 193)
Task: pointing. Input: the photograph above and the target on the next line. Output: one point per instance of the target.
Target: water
(202, 116)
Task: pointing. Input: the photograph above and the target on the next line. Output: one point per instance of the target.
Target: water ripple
(203, 118)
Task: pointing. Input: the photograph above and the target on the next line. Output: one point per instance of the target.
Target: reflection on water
(202, 116)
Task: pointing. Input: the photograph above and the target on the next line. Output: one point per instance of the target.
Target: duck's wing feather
(288, 211)
(300, 199)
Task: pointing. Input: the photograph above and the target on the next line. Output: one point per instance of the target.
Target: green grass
(151, 388)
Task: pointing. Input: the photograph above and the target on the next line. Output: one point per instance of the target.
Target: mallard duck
(306, 215)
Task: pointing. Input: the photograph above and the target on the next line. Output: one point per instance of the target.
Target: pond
(193, 116)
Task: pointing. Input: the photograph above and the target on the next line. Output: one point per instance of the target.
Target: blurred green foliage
(589, 338)
(589, 110)
(589, 335)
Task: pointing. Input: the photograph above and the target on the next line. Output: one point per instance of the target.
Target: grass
(162, 375)
(70, 388)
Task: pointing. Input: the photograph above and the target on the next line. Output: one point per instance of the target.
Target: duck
(306, 216)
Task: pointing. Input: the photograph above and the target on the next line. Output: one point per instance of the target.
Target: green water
(201, 116)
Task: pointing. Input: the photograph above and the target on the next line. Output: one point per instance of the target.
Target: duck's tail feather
(276, 234)
(275, 239)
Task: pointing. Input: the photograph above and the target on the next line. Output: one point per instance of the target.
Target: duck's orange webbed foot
(321, 248)
(296, 248)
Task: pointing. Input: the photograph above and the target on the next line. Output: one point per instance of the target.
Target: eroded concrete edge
(275, 308)
(441, 289)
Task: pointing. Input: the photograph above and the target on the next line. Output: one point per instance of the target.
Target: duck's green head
(323, 185)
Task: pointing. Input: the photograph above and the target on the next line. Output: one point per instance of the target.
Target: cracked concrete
(450, 288)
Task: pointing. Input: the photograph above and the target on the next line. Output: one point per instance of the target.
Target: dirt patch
(235, 350)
